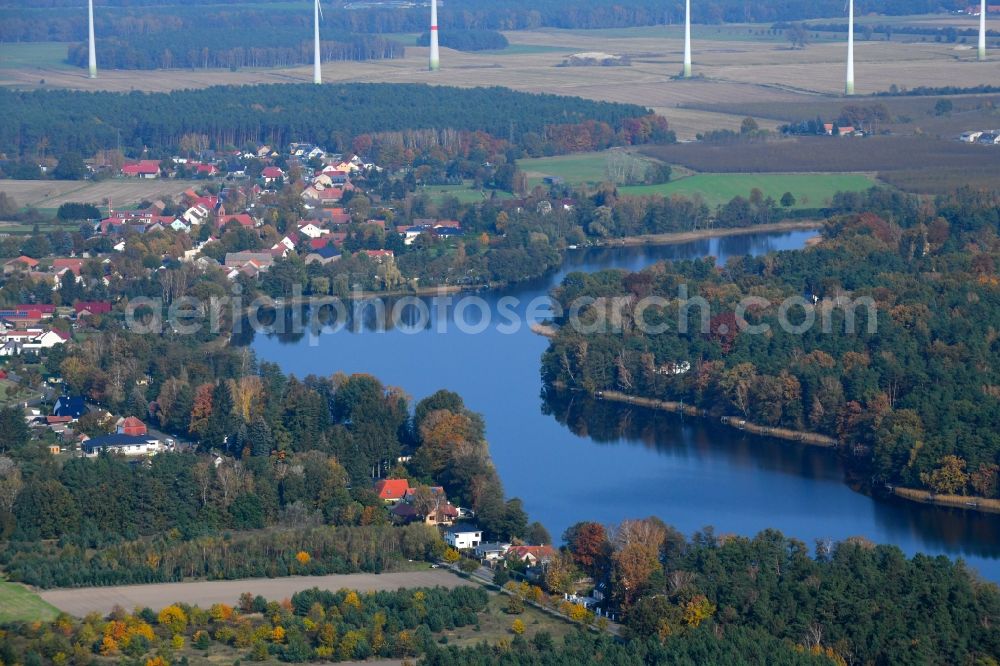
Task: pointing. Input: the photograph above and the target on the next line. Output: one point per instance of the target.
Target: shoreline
(676, 237)
(964, 502)
(735, 422)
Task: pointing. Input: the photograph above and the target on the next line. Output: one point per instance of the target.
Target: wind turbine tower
(850, 50)
(317, 69)
(982, 30)
(90, 31)
(687, 39)
(435, 61)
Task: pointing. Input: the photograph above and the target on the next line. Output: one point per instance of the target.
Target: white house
(463, 538)
(312, 231)
(196, 214)
(123, 445)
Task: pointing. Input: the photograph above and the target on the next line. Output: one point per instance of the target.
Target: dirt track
(81, 601)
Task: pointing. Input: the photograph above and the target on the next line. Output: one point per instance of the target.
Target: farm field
(464, 193)
(810, 190)
(577, 169)
(830, 154)
(50, 194)
(736, 65)
(80, 601)
(33, 55)
(19, 604)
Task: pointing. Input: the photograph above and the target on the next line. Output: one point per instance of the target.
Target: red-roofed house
(272, 174)
(71, 264)
(532, 555)
(21, 263)
(380, 255)
(142, 169)
(132, 426)
(392, 490)
(86, 308)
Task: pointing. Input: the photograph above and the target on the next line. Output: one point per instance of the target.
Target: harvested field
(205, 593)
(123, 193)
(831, 154)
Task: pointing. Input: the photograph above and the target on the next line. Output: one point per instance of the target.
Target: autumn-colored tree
(201, 410)
(984, 479)
(737, 382)
(637, 556)
(278, 634)
(451, 556)
(697, 610)
(517, 627)
(247, 395)
(949, 478)
(174, 618)
(302, 557)
(588, 543)
(561, 573)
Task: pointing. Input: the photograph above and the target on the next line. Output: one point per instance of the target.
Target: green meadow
(811, 190)
(19, 604)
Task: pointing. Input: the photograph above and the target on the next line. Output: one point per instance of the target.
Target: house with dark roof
(323, 255)
(122, 445)
(74, 407)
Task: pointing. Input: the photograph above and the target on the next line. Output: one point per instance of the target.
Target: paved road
(80, 601)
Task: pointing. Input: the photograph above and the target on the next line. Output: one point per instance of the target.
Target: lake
(571, 458)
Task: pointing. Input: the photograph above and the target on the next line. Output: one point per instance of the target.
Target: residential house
(323, 255)
(391, 491)
(442, 514)
(72, 264)
(324, 196)
(132, 427)
(88, 308)
(531, 555)
(272, 174)
(73, 407)
(142, 169)
(491, 551)
(123, 445)
(240, 259)
(22, 263)
(311, 230)
(46, 340)
(379, 255)
(463, 537)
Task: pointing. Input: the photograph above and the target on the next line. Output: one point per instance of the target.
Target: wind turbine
(849, 89)
(687, 39)
(982, 30)
(317, 69)
(435, 59)
(92, 47)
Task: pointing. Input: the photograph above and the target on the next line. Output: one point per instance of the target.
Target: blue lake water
(571, 459)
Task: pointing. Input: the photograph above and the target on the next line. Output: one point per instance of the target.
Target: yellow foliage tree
(174, 618)
(451, 556)
(157, 661)
(698, 610)
(352, 600)
(517, 627)
(302, 557)
(278, 634)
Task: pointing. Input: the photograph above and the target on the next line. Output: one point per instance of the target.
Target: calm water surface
(571, 458)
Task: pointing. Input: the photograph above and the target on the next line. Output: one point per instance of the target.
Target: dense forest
(43, 23)
(912, 397)
(279, 114)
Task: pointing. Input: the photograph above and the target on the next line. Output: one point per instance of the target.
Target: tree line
(40, 23)
(69, 121)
